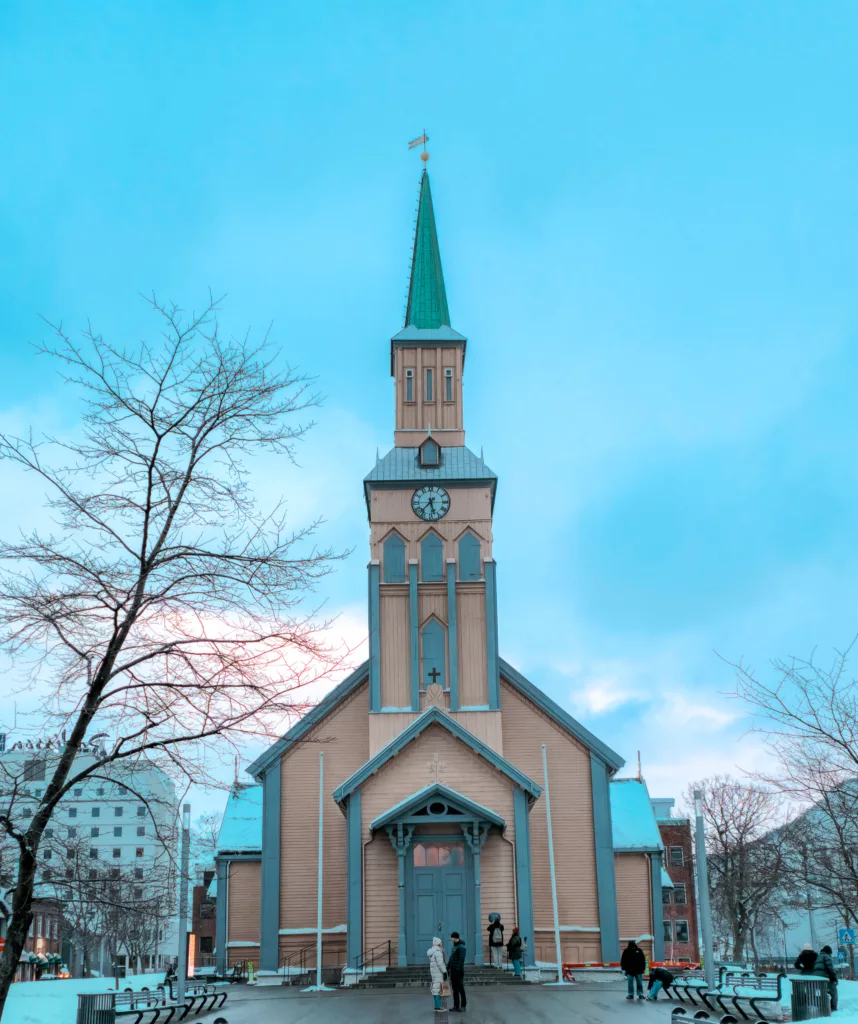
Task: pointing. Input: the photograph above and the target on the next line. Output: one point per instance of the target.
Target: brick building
(201, 949)
(679, 903)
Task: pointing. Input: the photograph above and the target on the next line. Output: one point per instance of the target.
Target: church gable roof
(241, 828)
(515, 679)
(434, 716)
(632, 818)
(311, 718)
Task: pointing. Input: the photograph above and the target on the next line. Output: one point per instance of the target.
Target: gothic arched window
(394, 559)
(432, 558)
(470, 567)
(433, 658)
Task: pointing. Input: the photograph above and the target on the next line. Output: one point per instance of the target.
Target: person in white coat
(437, 970)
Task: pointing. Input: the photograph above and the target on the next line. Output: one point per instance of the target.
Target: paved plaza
(587, 1004)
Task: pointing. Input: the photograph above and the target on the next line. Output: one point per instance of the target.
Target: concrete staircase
(417, 976)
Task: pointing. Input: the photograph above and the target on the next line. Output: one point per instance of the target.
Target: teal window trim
(409, 385)
(430, 382)
(432, 558)
(603, 837)
(354, 872)
(523, 876)
(374, 639)
(492, 659)
(413, 613)
(452, 637)
(448, 383)
(433, 662)
(469, 550)
(393, 555)
(269, 948)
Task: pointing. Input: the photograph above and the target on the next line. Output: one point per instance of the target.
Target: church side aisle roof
(241, 828)
(632, 818)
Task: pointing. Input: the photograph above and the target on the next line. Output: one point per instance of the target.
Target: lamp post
(703, 893)
(182, 967)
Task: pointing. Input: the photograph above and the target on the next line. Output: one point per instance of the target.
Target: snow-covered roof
(241, 829)
(632, 817)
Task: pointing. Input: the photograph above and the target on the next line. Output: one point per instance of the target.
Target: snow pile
(55, 1002)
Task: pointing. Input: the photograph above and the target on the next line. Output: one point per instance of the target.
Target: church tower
(432, 601)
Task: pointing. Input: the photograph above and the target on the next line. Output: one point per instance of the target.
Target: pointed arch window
(433, 656)
(430, 453)
(432, 558)
(470, 563)
(394, 559)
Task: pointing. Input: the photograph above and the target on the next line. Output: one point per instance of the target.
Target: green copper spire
(427, 297)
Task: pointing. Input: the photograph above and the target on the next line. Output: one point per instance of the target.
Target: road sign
(847, 936)
(841, 954)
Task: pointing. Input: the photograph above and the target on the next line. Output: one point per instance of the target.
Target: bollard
(810, 998)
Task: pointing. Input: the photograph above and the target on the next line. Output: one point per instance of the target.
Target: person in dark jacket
(633, 965)
(806, 959)
(513, 949)
(496, 941)
(825, 966)
(659, 979)
(456, 972)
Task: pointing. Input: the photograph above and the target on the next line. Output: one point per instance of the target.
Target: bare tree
(163, 612)
(745, 855)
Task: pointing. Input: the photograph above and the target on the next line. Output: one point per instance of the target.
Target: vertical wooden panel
(245, 882)
(381, 893)
(634, 895)
(394, 640)
(497, 878)
(471, 633)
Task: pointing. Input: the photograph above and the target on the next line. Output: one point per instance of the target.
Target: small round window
(437, 807)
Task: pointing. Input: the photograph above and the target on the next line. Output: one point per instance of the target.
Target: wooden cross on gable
(436, 769)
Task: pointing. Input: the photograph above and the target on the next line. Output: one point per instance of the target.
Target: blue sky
(648, 220)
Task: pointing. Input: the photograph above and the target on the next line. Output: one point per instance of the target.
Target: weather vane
(420, 141)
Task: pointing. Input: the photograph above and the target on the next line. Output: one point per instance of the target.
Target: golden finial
(421, 140)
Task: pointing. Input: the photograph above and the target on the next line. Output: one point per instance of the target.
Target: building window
(47, 874)
(141, 810)
(208, 878)
(430, 453)
(37, 794)
(117, 852)
(34, 770)
(93, 874)
(49, 833)
(94, 831)
(78, 792)
(409, 385)
(117, 830)
(96, 812)
(71, 853)
(430, 392)
(100, 791)
(682, 931)
(138, 872)
(138, 892)
(56, 928)
(668, 931)
(432, 558)
(117, 812)
(665, 895)
(679, 895)
(48, 854)
(72, 812)
(69, 872)
(72, 833)
(93, 853)
(434, 639)
(469, 557)
(206, 944)
(114, 872)
(677, 856)
(139, 851)
(141, 830)
(448, 383)
(394, 559)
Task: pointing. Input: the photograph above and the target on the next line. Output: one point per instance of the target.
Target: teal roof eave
(611, 758)
(472, 809)
(311, 718)
(434, 716)
(459, 468)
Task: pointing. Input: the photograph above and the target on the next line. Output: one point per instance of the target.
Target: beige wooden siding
(433, 601)
(485, 725)
(395, 646)
(470, 507)
(634, 894)
(343, 736)
(243, 905)
(497, 884)
(471, 638)
(525, 729)
(237, 954)
(381, 892)
(575, 947)
(437, 414)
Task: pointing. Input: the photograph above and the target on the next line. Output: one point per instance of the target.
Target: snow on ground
(55, 1002)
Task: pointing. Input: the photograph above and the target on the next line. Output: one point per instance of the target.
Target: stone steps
(418, 977)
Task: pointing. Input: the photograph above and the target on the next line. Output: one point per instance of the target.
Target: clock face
(430, 502)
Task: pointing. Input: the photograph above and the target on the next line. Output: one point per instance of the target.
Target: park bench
(693, 983)
(755, 990)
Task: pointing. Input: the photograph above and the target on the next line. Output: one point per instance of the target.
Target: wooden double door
(439, 896)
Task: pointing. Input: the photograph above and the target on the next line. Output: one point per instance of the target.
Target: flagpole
(319, 987)
(558, 952)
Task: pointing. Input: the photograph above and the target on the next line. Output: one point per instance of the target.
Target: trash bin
(96, 1008)
(810, 998)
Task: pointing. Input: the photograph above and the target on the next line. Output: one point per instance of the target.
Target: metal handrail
(370, 956)
(301, 954)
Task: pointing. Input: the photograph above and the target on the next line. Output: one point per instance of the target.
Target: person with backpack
(633, 965)
(513, 949)
(825, 966)
(659, 979)
(495, 940)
